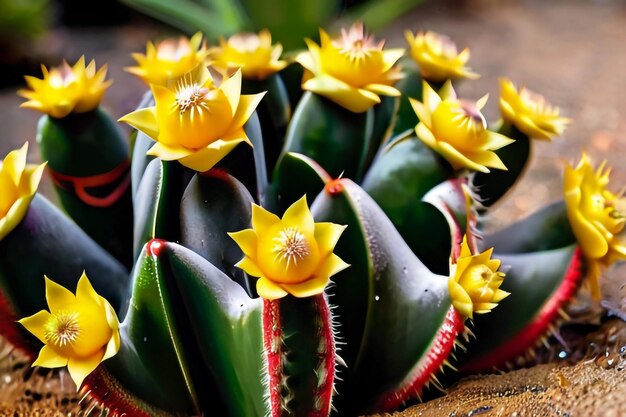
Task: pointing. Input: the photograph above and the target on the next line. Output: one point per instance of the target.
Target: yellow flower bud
(352, 70)
(79, 331)
(293, 255)
(437, 57)
(169, 59)
(253, 53)
(530, 112)
(64, 90)
(195, 120)
(457, 129)
(474, 282)
(596, 215)
(18, 185)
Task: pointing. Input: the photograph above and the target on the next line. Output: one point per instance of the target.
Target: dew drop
(376, 297)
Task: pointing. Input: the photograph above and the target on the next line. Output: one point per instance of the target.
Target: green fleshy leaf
(154, 362)
(46, 242)
(88, 145)
(546, 229)
(491, 187)
(248, 164)
(274, 113)
(226, 324)
(386, 298)
(214, 204)
(402, 174)
(295, 175)
(334, 137)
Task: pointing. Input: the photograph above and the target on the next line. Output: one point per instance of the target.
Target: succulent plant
(337, 263)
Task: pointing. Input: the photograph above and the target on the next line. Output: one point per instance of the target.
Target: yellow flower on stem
(293, 255)
(457, 130)
(352, 70)
(253, 53)
(18, 185)
(194, 120)
(530, 112)
(596, 215)
(66, 89)
(437, 57)
(79, 331)
(169, 59)
(474, 282)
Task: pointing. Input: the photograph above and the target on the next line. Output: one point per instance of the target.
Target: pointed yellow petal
(85, 291)
(268, 290)
(497, 141)
(48, 358)
(262, 219)
(357, 100)
(457, 159)
(430, 98)
(168, 153)
(113, 346)
(80, 368)
(299, 216)
(249, 266)
(307, 288)
(460, 299)
(15, 162)
(145, 120)
(383, 89)
(35, 324)
(247, 241)
(421, 111)
(482, 101)
(247, 106)
(232, 89)
(425, 135)
(487, 159)
(206, 158)
(327, 235)
(57, 296)
(447, 91)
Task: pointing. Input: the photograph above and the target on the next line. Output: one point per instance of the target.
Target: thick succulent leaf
(214, 204)
(140, 144)
(409, 86)
(295, 175)
(274, 113)
(386, 298)
(47, 243)
(154, 362)
(546, 229)
(533, 279)
(385, 115)
(491, 187)
(157, 203)
(402, 174)
(226, 324)
(91, 145)
(337, 139)
(248, 164)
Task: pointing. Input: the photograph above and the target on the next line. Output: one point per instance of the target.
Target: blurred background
(571, 51)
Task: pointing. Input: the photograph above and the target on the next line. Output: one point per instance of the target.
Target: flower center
(291, 246)
(460, 124)
(191, 96)
(62, 329)
(445, 47)
(245, 42)
(356, 43)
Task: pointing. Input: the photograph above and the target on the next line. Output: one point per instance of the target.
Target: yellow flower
(66, 89)
(437, 57)
(352, 70)
(457, 129)
(80, 330)
(530, 112)
(596, 215)
(474, 282)
(253, 53)
(194, 120)
(169, 60)
(18, 185)
(292, 255)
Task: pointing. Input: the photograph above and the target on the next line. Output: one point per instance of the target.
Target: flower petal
(81, 367)
(57, 296)
(15, 163)
(249, 266)
(383, 89)
(269, 290)
(247, 241)
(232, 89)
(145, 120)
(85, 292)
(299, 216)
(262, 220)
(327, 234)
(35, 324)
(206, 158)
(307, 288)
(357, 100)
(247, 106)
(48, 358)
(167, 152)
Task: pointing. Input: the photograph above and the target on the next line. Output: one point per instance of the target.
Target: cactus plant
(346, 259)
